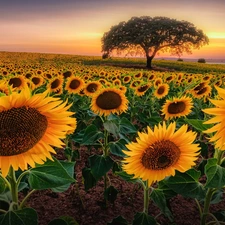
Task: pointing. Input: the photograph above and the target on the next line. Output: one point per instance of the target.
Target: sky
(76, 27)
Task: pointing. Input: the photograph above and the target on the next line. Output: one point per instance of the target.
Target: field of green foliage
(162, 129)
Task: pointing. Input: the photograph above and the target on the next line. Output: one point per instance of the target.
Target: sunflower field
(161, 131)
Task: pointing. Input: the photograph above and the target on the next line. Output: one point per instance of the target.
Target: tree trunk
(149, 62)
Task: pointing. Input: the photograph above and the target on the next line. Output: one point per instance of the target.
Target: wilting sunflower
(91, 87)
(109, 100)
(157, 153)
(161, 91)
(30, 126)
(74, 84)
(18, 82)
(177, 107)
(218, 112)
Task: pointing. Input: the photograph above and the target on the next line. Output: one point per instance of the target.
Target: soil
(86, 207)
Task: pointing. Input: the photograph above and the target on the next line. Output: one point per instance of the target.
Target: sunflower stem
(6, 181)
(199, 207)
(205, 212)
(20, 178)
(14, 188)
(146, 197)
(25, 198)
(218, 154)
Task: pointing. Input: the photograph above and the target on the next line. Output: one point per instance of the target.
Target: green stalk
(25, 198)
(205, 212)
(14, 189)
(146, 197)
(105, 153)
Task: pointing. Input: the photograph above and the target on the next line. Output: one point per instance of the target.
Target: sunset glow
(76, 27)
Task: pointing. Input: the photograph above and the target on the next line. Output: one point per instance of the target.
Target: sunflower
(169, 78)
(4, 88)
(18, 82)
(205, 91)
(135, 83)
(140, 90)
(126, 79)
(123, 88)
(74, 84)
(91, 87)
(218, 112)
(161, 91)
(109, 100)
(67, 74)
(55, 84)
(117, 82)
(157, 153)
(30, 126)
(37, 80)
(138, 75)
(151, 77)
(158, 81)
(177, 107)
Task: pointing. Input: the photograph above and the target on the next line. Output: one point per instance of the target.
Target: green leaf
(168, 192)
(49, 175)
(197, 124)
(126, 127)
(111, 127)
(110, 194)
(141, 218)
(69, 167)
(100, 165)
(117, 147)
(186, 184)
(215, 174)
(2, 185)
(217, 196)
(159, 199)
(125, 176)
(26, 216)
(91, 135)
(89, 180)
(118, 221)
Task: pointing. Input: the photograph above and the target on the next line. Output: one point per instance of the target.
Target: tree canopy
(150, 35)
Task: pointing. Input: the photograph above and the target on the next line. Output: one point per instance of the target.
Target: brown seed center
(55, 84)
(92, 87)
(176, 107)
(160, 155)
(15, 82)
(74, 84)
(161, 90)
(20, 130)
(108, 100)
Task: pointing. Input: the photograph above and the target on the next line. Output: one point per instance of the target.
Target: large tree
(151, 35)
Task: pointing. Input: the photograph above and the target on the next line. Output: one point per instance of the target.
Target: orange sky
(76, 27)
